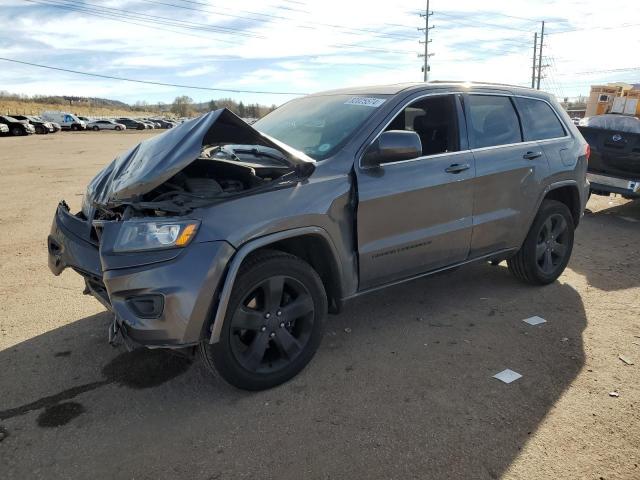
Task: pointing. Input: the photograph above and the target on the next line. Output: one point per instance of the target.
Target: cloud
(306, 46)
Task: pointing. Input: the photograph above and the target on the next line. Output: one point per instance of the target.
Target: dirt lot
(400, 388)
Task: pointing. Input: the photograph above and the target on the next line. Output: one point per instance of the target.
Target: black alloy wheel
(273, 323)
(551, 247)
(547, 248)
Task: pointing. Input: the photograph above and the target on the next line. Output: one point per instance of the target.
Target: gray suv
(237, 240)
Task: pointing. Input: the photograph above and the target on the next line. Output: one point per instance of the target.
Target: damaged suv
(238, 239)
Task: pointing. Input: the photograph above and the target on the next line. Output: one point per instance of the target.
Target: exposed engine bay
(220, 172)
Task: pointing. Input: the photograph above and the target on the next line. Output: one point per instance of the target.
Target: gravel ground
(400, 388)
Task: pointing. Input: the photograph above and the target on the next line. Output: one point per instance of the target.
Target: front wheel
(118, 128)
(15, 131)
(273, 325)
(96, 128)
(546, 251)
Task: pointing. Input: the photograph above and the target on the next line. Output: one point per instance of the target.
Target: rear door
(414, 216)
(509, 172)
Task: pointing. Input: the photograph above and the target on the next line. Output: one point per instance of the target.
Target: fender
(554, 186)
(243, 252)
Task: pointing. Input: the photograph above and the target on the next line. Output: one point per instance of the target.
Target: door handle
(457, 168)
(532, 155)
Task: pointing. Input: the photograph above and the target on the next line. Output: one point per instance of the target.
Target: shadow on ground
(612, 229)
(400, 388)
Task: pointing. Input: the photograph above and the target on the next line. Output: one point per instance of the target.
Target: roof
(395, 88)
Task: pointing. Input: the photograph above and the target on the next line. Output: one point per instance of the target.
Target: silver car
(105, 125)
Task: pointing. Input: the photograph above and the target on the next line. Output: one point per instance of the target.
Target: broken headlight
(141, 235)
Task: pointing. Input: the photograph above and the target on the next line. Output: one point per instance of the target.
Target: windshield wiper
(261, 153)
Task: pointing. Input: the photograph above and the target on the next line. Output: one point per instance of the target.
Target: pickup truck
(614, 164)
(237, 240)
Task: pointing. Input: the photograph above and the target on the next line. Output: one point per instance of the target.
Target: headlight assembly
(143, 235)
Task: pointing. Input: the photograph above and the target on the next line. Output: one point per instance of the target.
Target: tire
(141, 127)
(118, 128)
(16, 131)
(95, 128)
(547, 248)
(74, 128)
(40, 130)
(258, 348)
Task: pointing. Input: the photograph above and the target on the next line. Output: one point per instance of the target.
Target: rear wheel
(273, 324)
(547, 248)
(15, 131)
(118, 127)
(96, 128)
(40, 130)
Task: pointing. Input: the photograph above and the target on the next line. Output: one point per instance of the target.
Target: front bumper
(182, 288)
(623, 186)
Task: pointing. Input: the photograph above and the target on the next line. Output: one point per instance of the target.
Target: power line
(118, 17)
(148, 17)
(148, 82)
(625, 25)
(610, 70)
(258, 17)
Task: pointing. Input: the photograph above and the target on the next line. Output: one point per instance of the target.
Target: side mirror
(392, 146)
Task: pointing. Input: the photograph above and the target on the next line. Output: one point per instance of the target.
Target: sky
(293, 47)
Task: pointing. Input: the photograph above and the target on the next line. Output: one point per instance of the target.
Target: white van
(68, 121)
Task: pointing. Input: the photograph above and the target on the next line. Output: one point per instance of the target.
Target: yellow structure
(616, 97)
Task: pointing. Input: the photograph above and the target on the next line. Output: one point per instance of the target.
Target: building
(619, 97)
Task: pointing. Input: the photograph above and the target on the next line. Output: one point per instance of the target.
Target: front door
(415, 215)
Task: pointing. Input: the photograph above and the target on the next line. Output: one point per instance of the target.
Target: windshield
(319, 125)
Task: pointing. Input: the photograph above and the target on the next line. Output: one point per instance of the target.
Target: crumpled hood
(154, 161)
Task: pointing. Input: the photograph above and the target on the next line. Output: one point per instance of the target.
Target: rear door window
(492, 121)
(539, 122)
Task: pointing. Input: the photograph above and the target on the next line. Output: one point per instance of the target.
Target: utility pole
(533, 68)
(540, 57)
(425, 68)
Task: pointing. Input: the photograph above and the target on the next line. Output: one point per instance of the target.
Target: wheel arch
(312, 244)
(567, 193)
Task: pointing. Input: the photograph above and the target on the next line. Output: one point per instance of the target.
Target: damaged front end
(140, 214)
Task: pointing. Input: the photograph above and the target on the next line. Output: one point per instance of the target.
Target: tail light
(587, 152)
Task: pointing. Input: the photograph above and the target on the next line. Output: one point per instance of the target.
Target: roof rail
(477, 83)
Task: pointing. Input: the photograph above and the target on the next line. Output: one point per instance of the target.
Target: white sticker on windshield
(365, 101)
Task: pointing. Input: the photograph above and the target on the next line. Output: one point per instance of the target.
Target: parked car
(614, 165)
(17, 127)
(42, 127)
(239, 239)
(161, 123)
(106, 125)
(130, 123)
(68, 121)
(56, 126)
(4, 129)
(147, 124)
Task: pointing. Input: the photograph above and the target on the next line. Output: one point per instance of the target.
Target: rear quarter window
(539, 121)
(492, 121)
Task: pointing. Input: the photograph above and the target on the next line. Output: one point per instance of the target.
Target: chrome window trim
(425, 157)
(442, 94)
(564, 126)
(394, 115)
